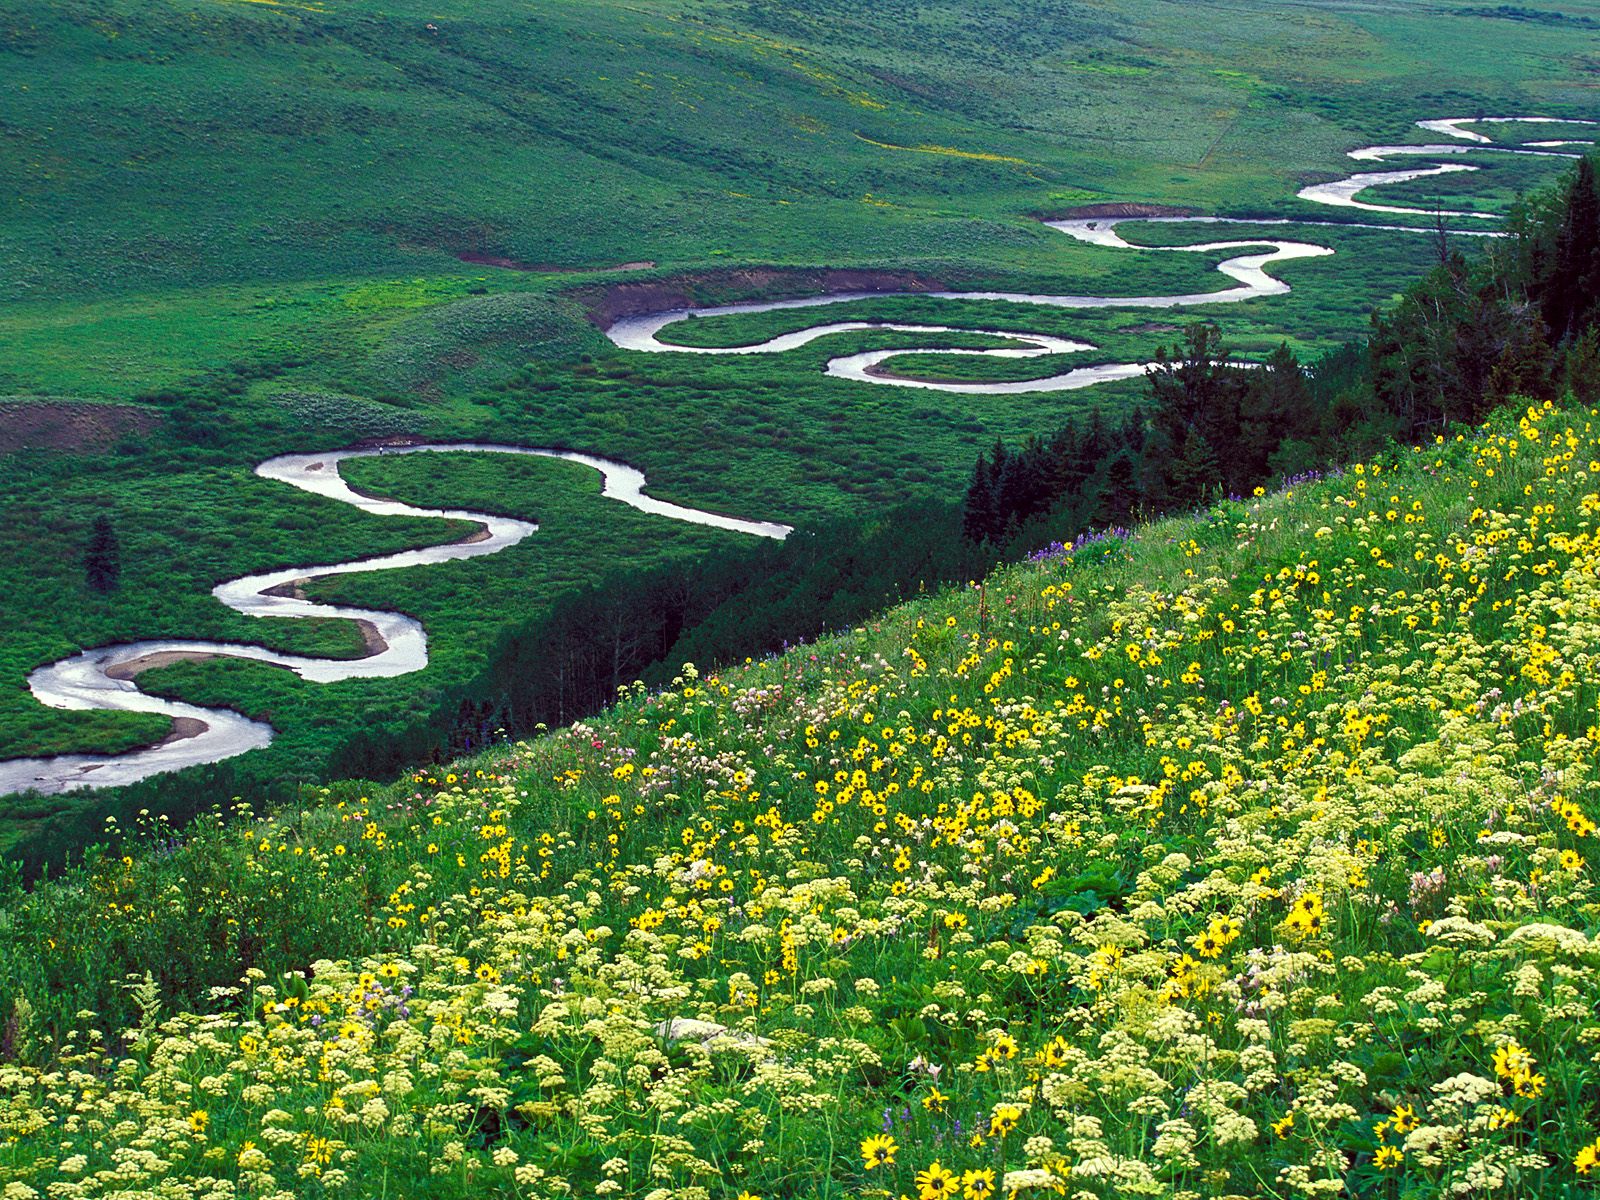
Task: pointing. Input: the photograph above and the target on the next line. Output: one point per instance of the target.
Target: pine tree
(1092, 448)
(1119, 496)
(1004, 482)
(1569, 294)
(1194, 470)
(1583, 367)
(1061, 455)
(978, 513)
(102, 561)
(1276, 407)
(1030, 484)
(1197, 394)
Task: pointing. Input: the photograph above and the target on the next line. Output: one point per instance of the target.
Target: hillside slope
(183, 143)
(1247, 854)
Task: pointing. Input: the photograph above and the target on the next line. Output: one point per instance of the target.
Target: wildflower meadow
(1249, 853)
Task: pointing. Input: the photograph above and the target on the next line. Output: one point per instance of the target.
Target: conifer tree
(1119, 496)
(979, 512)
(1570, 294)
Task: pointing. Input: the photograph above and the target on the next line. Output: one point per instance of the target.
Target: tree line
(1522, 319)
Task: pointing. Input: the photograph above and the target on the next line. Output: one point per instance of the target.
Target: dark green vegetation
(102, 561)
(245, 218)
(1522, 320)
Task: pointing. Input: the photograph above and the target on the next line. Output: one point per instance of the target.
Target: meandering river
(106, 677)
(1247, 270)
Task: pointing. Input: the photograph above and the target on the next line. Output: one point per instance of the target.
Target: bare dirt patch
(149, 662)
(699, 288)
(371, 640)
(72, 426)
(184, 727)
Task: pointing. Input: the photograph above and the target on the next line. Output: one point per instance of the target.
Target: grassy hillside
(189, 178)
(1248, 854)
(189, 142)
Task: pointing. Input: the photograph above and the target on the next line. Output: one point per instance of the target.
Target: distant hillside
(176, 143)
